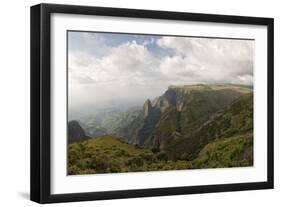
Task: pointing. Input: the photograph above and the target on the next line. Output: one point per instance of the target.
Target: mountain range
(181, 113)
(207, 125)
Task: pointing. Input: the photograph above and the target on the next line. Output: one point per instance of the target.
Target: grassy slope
(108, 154)
(235, 151)
(237, 119)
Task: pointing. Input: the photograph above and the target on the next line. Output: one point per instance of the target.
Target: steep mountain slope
(75, 132)
(141, 128)
(236, 119)
(235, 151)
(181, 109)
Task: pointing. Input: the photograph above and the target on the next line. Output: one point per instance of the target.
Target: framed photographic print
(133, 103)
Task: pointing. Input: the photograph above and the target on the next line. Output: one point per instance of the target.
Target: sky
(123, 70)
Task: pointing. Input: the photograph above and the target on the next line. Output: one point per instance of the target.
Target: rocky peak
(75, 132)
(171, 96)
(166, 100)
(147, 107)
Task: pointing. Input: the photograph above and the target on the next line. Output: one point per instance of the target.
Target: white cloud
(130, 72)
(209, 60)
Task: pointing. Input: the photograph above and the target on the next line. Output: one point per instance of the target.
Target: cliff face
(75, 132)
(141, 129)
(168, 99)
(174, 115)
(235, 121)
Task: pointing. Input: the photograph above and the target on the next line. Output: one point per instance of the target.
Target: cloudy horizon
(111, 68)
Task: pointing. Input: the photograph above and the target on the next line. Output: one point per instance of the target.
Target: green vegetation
(109, 154)
(188, 127)
(236, 119)
(236, 151)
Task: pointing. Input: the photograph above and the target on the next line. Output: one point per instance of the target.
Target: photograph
(133, 103)
(147, 102)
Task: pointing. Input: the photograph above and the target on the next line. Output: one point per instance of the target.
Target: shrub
(84, 163)
(137, 146)
(73, 170)
(162, 156)
(138, 161)
(121, 152)
(102, 163)
(184, 156)
(155, 149)
(148, 157)
(114, 166)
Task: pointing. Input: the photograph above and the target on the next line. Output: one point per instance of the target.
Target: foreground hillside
(109, 154)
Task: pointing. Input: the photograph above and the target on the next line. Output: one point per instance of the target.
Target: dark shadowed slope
(237, 119)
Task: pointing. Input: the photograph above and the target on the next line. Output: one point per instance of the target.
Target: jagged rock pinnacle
(147, 107)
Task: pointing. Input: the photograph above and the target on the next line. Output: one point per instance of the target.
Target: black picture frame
(41, 102)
